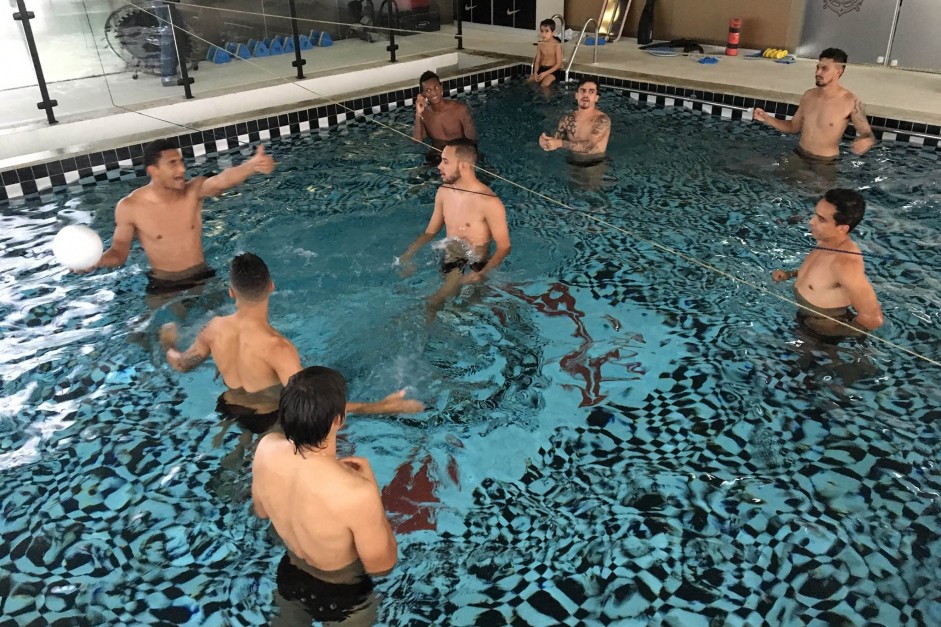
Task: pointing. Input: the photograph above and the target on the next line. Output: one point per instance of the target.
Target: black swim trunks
(814, 159)
(248, 417)
(179, 281)
(460, 264)
(325, 601)
(557, 73)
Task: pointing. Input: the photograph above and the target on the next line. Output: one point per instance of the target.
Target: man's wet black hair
(837, 55)
(249, 277)
(309, 403)
(588, 79)
(464, 149)
(427, 76)
(153, 150)
(850, 206)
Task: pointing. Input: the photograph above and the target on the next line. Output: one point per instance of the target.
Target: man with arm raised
(254, 359)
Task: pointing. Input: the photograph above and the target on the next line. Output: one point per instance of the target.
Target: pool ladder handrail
(581, 36)
(627, 9)
(562, 38)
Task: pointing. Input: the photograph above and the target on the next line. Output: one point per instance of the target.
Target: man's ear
(231, 293)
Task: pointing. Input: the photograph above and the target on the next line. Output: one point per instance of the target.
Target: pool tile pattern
(126, 162)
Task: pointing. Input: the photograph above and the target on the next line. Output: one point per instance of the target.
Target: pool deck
(886, 92)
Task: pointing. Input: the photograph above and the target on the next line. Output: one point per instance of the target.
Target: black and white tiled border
(734, 107)
(126, 162)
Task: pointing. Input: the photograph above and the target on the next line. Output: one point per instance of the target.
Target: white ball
(77, 247)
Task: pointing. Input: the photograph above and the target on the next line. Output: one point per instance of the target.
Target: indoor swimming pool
(613, 435)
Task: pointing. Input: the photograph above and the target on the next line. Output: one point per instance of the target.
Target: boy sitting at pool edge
(548, 59)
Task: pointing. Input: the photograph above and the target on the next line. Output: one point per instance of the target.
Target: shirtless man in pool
(254, 359)
(438, 118)
(585, 131)
(832, 277)
(474, 218)
(166, 216)
(824, 113)
(327, 511)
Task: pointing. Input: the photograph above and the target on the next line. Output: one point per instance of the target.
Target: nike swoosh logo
(470, 7)
(508, 12)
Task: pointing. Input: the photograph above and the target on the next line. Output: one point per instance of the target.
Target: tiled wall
(127, 162)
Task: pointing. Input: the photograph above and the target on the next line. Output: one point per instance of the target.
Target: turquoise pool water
(614, 435)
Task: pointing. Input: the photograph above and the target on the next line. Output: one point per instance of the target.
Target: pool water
(614, 434)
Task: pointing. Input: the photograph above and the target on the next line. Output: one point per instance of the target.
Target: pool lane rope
(707, 266)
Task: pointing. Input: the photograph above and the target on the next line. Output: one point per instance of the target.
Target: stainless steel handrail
(604, 9)
(627, 9)
(581, 36)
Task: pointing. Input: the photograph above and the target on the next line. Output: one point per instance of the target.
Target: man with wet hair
(832, 278)
(255, 361)
(166, 216)
(327, 511)
(824, 113)
(473, 216)
(585, 131)
(438, 118)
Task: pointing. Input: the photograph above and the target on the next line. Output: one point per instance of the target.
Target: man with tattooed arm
(585, 131)
(824, 113)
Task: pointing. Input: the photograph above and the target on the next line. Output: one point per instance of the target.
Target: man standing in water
(832, 278)
(327, 511)
(474, 217)
(255, 361)
(437, 118)
(824, 113)
(585, 131)
(166, 216)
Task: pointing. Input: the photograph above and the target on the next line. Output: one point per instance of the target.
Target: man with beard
(438, 119)
(824, 113)
(474, 218)
(166, 216)
(585, 131)
(832, 277)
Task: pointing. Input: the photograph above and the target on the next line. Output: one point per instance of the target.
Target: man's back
(327, 511)
(246, 351)
(309, 500)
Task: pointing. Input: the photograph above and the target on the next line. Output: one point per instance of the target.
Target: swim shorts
(179, 281)
(460, 264)
(326, 601)
(248, 417)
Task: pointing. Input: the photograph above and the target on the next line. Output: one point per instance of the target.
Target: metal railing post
(460, 25)
(47, 103)
(298, 60)
(185, 79)
(393, 10)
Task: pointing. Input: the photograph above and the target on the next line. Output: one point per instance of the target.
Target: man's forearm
(378, 407)
(498, 256)
(423, 239)
(783, 126)
(111, 259)
(236, 175)
(418, 131)
(184, 362)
